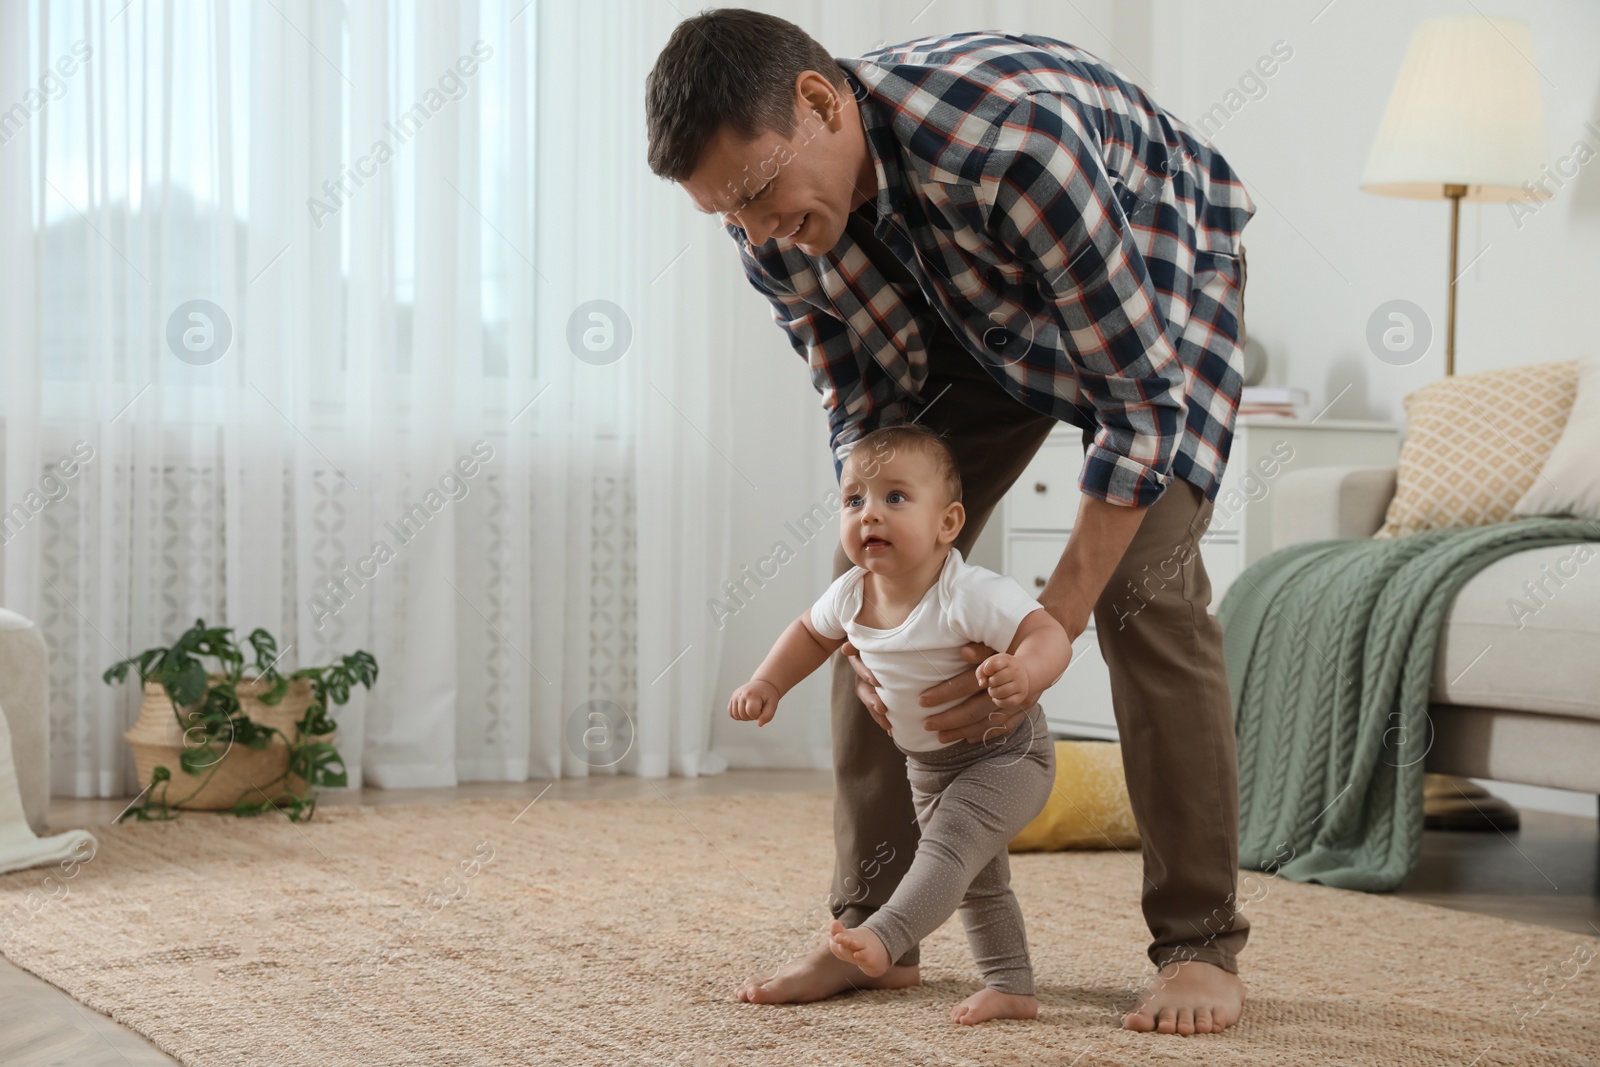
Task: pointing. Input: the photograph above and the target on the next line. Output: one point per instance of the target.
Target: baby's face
(894, 511)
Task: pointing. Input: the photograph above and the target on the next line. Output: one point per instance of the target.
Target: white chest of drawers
(1035, 519)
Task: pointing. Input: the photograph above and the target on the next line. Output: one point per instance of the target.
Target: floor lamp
(1463, 123)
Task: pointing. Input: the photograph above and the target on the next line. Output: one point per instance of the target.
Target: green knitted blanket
(1330, 648)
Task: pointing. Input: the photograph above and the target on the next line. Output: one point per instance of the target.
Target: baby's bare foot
(988, 1004)
(859, 946)
(820, 975)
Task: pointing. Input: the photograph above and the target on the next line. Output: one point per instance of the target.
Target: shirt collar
(881, 146)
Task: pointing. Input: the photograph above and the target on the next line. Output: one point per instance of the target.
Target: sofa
(25, 703)
(1516, 679)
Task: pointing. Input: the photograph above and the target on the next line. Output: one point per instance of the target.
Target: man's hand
(866, 687)
(976, 719)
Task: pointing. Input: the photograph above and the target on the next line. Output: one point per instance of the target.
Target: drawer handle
(1040, 487)
(1038, 583)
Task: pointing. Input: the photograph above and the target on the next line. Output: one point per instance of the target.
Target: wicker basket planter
(223, 715)
(156, 739)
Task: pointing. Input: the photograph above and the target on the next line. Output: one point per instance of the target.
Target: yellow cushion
(1088, 808)
(1475, 443)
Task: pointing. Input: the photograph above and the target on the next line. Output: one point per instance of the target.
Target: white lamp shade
(1464, 111)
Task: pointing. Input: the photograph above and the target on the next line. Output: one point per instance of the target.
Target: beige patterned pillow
(1475, 443)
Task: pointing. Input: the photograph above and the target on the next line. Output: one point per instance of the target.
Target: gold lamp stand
(1464, 120)
(1448, 802)
(1455, 193)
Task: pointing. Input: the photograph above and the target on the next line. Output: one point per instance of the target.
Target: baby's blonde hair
(881, 444)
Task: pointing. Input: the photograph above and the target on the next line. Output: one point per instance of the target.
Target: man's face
(798, 189)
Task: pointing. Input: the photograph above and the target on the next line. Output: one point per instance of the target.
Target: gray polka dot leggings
(971, 800)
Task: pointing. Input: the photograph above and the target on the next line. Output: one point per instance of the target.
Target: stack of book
(1283, 401)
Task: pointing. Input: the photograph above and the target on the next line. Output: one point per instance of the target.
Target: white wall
(1323, 254)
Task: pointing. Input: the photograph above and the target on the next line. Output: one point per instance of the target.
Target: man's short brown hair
(881, 444)
(727, 67)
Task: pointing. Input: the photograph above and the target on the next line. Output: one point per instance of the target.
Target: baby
(908, 606)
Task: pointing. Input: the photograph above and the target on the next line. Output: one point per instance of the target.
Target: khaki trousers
(1168, 683)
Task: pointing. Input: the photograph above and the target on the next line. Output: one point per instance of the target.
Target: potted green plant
(251, 738)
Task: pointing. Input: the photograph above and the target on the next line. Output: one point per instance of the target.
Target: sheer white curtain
(423, 437)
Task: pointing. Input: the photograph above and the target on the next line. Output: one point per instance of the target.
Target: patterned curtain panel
(353, 322)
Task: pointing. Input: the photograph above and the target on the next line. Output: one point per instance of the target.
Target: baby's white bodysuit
(966, 603)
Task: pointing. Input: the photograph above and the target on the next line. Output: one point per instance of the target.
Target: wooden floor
(1548, 873)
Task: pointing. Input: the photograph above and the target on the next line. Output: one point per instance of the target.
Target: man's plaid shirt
(1079, 240)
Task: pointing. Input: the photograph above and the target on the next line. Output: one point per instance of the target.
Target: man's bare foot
(1188, 997)
(859, 946)
(988, 1004)
(820, 975)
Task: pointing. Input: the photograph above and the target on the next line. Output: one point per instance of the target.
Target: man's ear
(817, 99)
(951, 522)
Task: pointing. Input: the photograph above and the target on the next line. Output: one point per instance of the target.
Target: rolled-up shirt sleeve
(1052, 205)
(856, 394)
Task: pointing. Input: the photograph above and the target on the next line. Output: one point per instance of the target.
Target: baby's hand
(754, 700)
(1006, 678)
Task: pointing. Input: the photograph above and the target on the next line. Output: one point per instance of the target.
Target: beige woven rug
(614, 932)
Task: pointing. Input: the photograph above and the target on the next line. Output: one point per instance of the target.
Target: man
(989, 234)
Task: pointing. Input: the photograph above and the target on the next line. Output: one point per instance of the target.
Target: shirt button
(996, 338)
